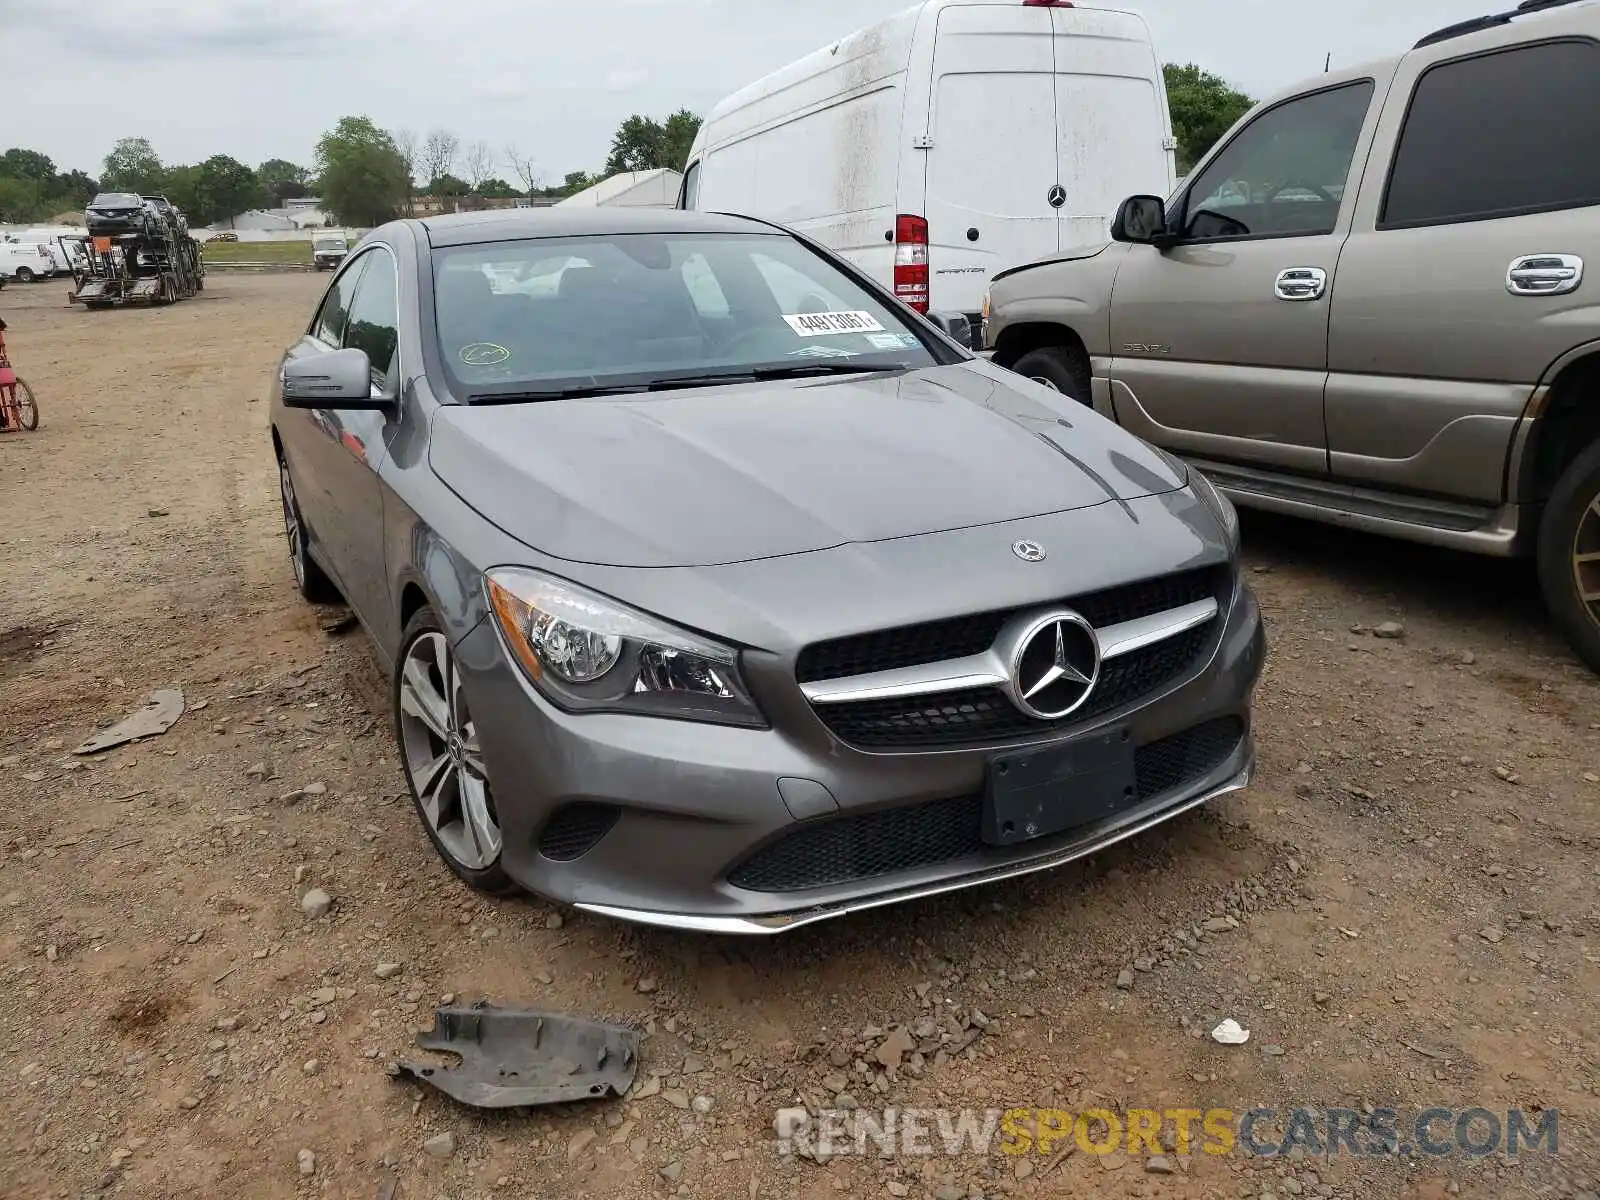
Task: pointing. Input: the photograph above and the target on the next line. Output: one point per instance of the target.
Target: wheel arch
(1028, 336)
(1565, 420)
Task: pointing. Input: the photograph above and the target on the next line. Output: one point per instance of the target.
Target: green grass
(263, 252)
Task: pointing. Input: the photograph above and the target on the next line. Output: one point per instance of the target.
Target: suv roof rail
(1461, 28)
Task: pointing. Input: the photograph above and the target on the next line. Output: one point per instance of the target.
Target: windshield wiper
(757, 374)
(668, 383)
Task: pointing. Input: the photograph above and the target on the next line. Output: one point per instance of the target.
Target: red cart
(18, 409)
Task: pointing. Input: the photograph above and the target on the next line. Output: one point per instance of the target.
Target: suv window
(1514, 131)
(1284, 174)
(328, 327)
(375, 319)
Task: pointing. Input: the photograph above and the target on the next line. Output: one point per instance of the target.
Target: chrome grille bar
(989, 669)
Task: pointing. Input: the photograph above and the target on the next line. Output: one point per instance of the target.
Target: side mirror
(333, 379)
(1141, 220)
(954, 326)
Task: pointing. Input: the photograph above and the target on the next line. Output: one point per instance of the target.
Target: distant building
(631, 189)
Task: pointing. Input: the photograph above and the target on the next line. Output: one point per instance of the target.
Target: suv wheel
(1569, 555)
(24, 275)
(1060, 370)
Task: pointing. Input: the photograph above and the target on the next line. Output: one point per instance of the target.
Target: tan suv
(1367, 304)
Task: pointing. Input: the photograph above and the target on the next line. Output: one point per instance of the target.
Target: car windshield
(328, 242)
(540, 317)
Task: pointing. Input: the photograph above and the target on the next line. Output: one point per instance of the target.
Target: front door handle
(1301, 283)
(1544, 275)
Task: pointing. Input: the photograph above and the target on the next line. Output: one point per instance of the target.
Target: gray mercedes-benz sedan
(720, 590)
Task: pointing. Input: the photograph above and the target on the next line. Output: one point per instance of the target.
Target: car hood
(713, 476)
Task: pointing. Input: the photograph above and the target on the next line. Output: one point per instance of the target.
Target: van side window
(1502, 134)
(1284, 175)
(689, 198)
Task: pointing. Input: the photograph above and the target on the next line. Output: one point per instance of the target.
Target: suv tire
(1573, 510)
(1059, 369)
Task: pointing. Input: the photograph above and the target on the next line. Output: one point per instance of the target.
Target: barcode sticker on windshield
(823, 324)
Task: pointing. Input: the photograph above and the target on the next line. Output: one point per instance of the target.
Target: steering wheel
(1298, 183)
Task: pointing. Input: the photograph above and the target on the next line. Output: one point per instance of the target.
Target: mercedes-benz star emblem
(1028, 551)
(1058, 196)
(1056, 667)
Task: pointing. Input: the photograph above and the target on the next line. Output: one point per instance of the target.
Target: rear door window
(1497, 135)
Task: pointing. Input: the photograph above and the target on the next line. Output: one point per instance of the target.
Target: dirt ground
(1402, 910)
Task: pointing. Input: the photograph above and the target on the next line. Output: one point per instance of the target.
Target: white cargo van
(948, 143)
(26, 261)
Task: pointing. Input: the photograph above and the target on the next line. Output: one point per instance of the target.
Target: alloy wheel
(1586, 559)
(443, 758)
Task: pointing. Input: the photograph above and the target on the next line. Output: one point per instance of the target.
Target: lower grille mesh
(575, 830)
(887, 842)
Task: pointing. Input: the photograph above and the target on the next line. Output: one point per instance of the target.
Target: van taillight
(911, 261)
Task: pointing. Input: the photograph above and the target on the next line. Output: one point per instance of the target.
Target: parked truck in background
(948, 142)
(1371, 304)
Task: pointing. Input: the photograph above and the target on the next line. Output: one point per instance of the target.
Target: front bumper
(645, 820)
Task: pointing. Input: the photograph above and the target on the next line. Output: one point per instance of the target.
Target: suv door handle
(1544, 275)
(1301, 283)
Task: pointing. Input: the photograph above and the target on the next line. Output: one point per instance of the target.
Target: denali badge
(1028, 551)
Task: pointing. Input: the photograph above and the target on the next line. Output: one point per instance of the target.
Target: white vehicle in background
(26, 261)
(51, 237)
(948, 143)
(328, 249)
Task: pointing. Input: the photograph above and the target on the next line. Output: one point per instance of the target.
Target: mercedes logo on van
(1055, 666)
(1058, 196)
(1028, 551)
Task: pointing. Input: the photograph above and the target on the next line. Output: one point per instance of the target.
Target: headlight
(587, 653)
(1226, 514)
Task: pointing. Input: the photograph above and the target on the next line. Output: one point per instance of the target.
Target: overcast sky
(261, 79)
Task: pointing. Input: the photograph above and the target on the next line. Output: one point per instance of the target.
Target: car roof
(503, 225)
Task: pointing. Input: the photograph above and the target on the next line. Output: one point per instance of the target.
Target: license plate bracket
(1032, 794)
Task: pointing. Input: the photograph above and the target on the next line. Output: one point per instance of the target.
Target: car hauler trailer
(159, 265)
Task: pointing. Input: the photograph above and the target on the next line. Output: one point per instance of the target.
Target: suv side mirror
(1141, 220)
(954, 326)
(332, 379)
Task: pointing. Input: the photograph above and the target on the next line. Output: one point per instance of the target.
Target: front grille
(958, 637)
(980, 715)
(575, 830)
(891, 841)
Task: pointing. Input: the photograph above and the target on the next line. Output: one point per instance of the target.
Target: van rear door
(992, 162)
(1111, 126)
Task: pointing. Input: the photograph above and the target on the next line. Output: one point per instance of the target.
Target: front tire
(310, 580)
(443, 759)
(1569, 555)
(24, 275)
(1059, 369)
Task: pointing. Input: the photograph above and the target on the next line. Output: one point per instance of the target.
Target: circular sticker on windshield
(484, 354)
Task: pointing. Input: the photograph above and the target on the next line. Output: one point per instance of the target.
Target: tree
(132, 166)
(496, 189)
(405, 141)
(438, 154)
(577, 181)
(525, 168)
(182, 186)
(76, 188)
(640, 144)
(282, 181)
(227, 188)
(363, 175)
(448, 185)
(681, 129)
(18, 163)
(477, 161)
(1204, 107)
